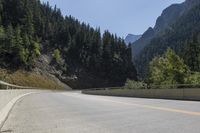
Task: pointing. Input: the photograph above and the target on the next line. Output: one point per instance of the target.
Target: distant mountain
(169, 16)
(130, 38)
(138, 45)
(178, 28)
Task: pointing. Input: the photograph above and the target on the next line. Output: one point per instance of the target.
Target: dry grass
(24, 78)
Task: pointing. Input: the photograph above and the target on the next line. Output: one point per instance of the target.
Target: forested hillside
(183, 37)
(29, 29)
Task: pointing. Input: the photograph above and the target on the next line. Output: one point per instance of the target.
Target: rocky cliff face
(141, 43)
(174, 33)
(167, 18)
(130, 38)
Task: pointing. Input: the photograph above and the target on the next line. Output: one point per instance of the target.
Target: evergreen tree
(28, 22)
(18, 49)
(10, 40)
(2, 40)
(30, 25)
(1, 11)
(192, 54)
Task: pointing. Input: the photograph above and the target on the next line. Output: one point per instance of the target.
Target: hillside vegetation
(183, 37)
(29, 29)
(32, 79)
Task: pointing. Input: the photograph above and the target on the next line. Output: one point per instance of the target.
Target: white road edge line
(6, 110)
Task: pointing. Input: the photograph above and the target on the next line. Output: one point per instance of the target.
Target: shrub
(56, 55)
(194, 78)
(131, 84)
(168, 69)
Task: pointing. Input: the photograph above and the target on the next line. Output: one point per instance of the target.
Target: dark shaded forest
(29, 28)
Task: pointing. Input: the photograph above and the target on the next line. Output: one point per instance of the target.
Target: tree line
(167, 71)
(29, 28)
(183, 37)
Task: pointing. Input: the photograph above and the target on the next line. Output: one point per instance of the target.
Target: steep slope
(30, 31)
(130, 38)
(33, 79)
(137, 46)
(169, 16)
(182, 36)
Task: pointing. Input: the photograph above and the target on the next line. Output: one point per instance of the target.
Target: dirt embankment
(33, 79)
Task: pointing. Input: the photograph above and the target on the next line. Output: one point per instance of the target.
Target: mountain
(37, 38)
(137, 46)
(181, 34)
(130, 38)
(169, 16)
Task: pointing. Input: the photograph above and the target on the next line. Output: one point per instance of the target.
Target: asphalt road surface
(72, 112)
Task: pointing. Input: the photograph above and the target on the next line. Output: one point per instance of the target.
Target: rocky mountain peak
(131, 38)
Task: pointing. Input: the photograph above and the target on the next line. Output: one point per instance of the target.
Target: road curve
(72, 112)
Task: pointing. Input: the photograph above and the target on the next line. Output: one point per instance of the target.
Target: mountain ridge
(181, 36)
(163, 22)
(131, 38)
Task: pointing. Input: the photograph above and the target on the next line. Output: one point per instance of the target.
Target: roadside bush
(131, 84)
(169, 69)
(194, 78)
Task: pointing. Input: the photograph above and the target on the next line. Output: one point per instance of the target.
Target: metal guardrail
(12, 86)
(104, 88)
(176, 86)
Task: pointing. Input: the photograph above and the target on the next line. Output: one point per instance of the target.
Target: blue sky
(118, 16)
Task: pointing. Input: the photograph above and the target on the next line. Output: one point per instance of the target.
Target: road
(73, 112)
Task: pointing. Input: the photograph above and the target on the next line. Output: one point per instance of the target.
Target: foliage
(168, 69)
(36, 49)
(56, 55)
(29, 28)
(131, 84)
(194, 78)
(192, 53)
(183, 37)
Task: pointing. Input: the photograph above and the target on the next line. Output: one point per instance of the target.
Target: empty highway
(73, 112)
